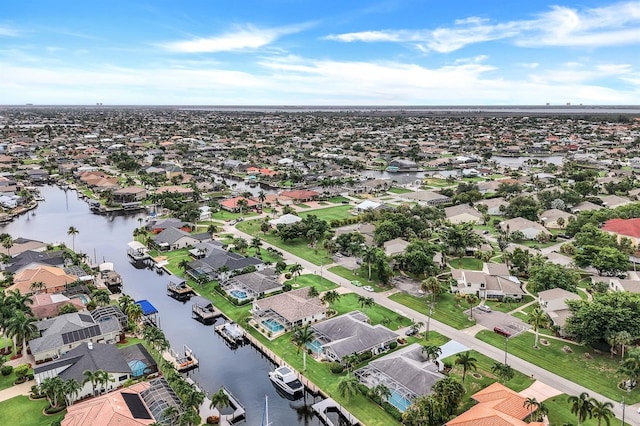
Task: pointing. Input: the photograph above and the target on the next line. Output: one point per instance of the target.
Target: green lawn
(396, 190)
(361, 275)
(174, 257)
(299, 246)
(21, 411)
(338, 200)
(470, 263)
(439, 183)
(560, 413)
(309, 280)
(224, 215)
(485, 378)
(508, 307)
(598, 373)
(7, 381)
(330, 213)
(445, 310)
(377, 313)
(130, 341)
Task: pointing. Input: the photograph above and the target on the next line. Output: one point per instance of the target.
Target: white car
(368, 288)
(484, 308)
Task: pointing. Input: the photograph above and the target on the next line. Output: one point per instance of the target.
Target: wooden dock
(232, 333)
(181, 362)
(179, 292)
(203, 310)
(329, 404)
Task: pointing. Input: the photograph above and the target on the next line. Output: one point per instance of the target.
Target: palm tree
(155, 337)
(471, 300)
(242, 203)
(189, 417)
(93, 377)
(124, 302)
(103, 379)
(467, 362)
(504, 371)
(432, 352)
(630, 367)
(73, 231)
(170, 413)
(256, 243)
(365, 302)
(296, 270)
(580, 406)
(313, 292)
(369, 255)
(541, 412)
(602, 411)
(300, 337)
(71, 389)
(53, 388)
(7, 242)
(348, 386)
(381, 392)
(431, 285)
(101, 297)
(537, 318)
(261, 197)
(21, 327)
(134, 312)
(532, 405)
(37, 286)
(240, 244)
(219, 399)
(330, 297)
(184, 265)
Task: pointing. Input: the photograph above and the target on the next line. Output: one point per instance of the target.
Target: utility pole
(506, 346)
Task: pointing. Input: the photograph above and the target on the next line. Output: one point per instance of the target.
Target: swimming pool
(273, 325)
(83, 298)
(398, 401)
(315, 346)
(238, 294)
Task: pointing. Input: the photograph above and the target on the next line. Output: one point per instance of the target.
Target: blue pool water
(399, 401)
(315, 346)
(238, 294)
(273, 325)
(83, 298)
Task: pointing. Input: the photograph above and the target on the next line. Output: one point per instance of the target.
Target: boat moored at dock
(287, 380)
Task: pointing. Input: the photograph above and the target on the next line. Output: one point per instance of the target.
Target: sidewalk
(17, 390)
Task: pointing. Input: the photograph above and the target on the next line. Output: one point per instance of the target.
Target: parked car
(502, 331)
(484, 308)
(368, 288)
(233, 222)
(411, 331)
(356, 283)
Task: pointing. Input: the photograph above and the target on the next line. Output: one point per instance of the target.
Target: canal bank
(243, 369)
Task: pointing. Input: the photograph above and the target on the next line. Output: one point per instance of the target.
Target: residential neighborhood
(408, 268)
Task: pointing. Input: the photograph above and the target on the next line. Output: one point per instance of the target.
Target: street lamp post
(426, 334)
(623, 406)
(506, 346)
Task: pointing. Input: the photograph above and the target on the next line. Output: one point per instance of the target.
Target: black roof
(136, 406)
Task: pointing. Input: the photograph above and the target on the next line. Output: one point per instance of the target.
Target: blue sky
(295, 52)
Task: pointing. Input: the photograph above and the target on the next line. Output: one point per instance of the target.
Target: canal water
(244, 371)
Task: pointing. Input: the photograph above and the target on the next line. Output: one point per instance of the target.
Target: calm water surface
(104, 238)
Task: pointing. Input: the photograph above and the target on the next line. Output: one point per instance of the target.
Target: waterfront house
(159, 225)
(254, 284)
(221, 264)
(406, 372)
(429, 198)
(33, 258)
(175, 239)
(129, 194)
(290, 309)
(231, 204)
(350, 334)
(301, 195)
(141, 404)
(61, 334)
(54, 279)
(46, 305)
(187, 193)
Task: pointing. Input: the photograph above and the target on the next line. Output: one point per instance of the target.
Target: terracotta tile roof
(300, 194)
(497, 406)
(627, 227)
(51, 276)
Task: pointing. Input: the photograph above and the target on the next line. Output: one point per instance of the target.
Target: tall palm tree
(37, 286)
(369, 255)
(431, 285)
(134, 312)
(471, 300)
(242, 203)
(261, 197)
(348, 386)
(73, 231)
(71, 389)
(101, 297)
(432, 352)
(256, 243)
(184, 265)
(124, 302)
(300, 337)
(313, 292)
(330, 297)
(7, 242)
(602, 411)
(22, 327)
(365, 302)
(92, 377)
(580, 406)
(504, 371)
(467, 362)
(630, 366)
(537, 318)
(296, 270)
(219, 399)
(532, 405)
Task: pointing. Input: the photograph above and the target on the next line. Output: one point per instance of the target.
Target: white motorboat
(286, 380)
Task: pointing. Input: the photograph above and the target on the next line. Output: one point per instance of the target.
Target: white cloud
(6, 31)
(243, 38)
(611, 25)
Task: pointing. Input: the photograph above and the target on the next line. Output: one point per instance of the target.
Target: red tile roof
(626, 227)
(300, 194)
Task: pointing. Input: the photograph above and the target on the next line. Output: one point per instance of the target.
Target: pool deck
(321, 407)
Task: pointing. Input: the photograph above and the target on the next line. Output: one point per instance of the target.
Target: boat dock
(203, 310)
(329, 404)
(182, 362)
(137, 251)
(179, 291)
(231, 332)
(239, 411)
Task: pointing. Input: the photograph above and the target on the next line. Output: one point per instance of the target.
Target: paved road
(565, 386)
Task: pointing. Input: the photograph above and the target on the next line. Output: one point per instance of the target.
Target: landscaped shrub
(54, 410)
(21, 372)
(6, 370)
(56, 422)
(286, 287)
(391, 410)
(287, 276)
(393, 345)
(365, 356)
(337, 368)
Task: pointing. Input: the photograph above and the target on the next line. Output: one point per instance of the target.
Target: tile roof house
(553, 302)
(351, 334)
(463, 213)
(629, 228)
(21, 245)
(159, 225)
(129, 194)
(60, 334)
(406, 372)
(231, 204)
(54, 279)
(47, 305)
(301, 195)
(529, 228)
(293, 308)
(496, 405)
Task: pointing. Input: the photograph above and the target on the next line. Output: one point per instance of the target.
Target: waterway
(244, 371)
